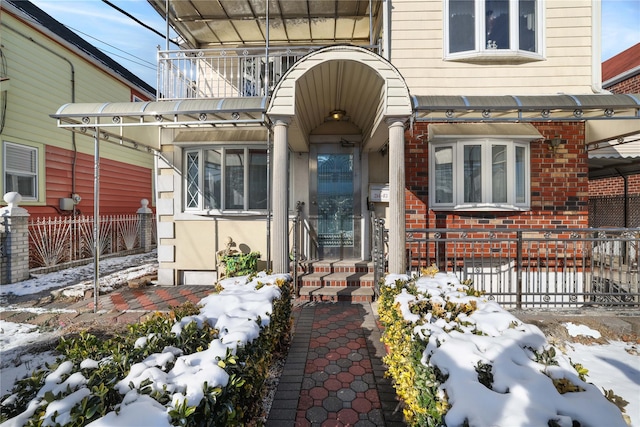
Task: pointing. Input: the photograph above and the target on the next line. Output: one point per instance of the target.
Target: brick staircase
(336, 280)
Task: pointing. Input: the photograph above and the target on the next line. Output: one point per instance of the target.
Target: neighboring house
(428, 113)
(614, 166)
(46, 65)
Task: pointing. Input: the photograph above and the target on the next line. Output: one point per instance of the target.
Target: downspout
(596, 47)
(386, 22)
(73, 99)
(266, 94)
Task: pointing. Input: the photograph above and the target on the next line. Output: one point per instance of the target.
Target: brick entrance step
(337, 280)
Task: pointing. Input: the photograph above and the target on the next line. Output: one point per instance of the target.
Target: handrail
(226, 72)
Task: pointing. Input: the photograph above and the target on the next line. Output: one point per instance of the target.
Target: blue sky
(135, 47)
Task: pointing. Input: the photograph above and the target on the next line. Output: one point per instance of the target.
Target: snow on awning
(483, 130)
(526, 108)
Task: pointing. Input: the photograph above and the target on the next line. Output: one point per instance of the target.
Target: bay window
(498, 29)
(479, 174)
(226, 179)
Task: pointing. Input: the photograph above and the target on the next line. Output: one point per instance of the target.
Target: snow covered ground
(615, 365)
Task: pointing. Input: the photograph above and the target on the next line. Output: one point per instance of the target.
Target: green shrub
(241, 264)
(234, 405)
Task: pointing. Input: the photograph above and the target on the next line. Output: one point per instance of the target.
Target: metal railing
(225, 73)
(58, 241)
(536, 267)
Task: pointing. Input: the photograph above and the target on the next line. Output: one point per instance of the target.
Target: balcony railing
(225, 73)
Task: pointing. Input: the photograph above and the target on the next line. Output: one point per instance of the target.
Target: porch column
(279, 196)
(396, 220)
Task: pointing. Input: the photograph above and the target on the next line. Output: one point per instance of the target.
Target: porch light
(554, 143)
(337, 115)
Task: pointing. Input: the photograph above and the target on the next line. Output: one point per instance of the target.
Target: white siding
(417, 50)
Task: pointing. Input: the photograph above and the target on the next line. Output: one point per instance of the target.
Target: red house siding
(122, 185)
(559, 185)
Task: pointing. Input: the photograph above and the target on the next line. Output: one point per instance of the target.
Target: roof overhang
(203, 24)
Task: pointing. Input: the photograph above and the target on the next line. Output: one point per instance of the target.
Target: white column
(396, 220)
(279, 196)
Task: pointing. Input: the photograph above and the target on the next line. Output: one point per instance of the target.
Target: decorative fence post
(14, 240)
(145, 214)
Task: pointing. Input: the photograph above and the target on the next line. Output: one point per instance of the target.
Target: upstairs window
(493, 29)
(21, 170)
(226, 179)
(479, 174)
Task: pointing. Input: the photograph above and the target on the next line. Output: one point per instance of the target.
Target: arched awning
(350, 79)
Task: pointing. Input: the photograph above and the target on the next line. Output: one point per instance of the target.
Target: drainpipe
(73, 99)
(386, 22)
(596, 47)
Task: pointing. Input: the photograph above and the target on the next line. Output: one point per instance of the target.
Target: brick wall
(630, 85)
(559, 185)
(614, 186)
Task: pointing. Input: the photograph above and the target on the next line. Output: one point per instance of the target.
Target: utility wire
(127, 14)
(149, 64)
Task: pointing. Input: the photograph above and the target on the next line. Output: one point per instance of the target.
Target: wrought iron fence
(536, 268)
(56, 241)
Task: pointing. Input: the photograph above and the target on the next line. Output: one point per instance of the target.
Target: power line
(150, 64)
(127, 14)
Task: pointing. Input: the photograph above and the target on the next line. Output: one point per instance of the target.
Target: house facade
(281, 116)
(45, 65)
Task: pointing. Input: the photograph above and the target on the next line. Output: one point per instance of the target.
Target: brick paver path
(334, 375)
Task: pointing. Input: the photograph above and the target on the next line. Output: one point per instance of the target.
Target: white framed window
(493, 29)
(225, 179)
(479, 174)
(21, 170)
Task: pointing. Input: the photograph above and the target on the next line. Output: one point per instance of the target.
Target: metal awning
(615, 158)
(210, 112)
(527, 108)
(136, 123)
(523, 131)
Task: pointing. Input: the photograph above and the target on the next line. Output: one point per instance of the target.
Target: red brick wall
(614, 186)
(559, 185)
(630, 85)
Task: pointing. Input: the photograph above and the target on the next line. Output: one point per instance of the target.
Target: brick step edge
(336, 293)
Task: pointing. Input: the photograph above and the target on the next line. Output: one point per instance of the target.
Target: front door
(335, 199)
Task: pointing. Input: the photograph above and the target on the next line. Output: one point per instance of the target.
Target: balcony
(227, 72)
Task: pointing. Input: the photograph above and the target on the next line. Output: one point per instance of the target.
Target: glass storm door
(334, 201)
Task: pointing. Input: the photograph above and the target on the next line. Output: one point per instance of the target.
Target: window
(479, 174)
(21, 170)
(488, 29)
(226, 179)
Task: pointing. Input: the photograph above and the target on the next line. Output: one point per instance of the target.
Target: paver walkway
(333, 375)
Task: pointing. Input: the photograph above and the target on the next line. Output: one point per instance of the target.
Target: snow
(519, 394)
(507, 344)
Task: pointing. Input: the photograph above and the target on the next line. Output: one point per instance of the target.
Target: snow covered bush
(458, 360)
(200, 365)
